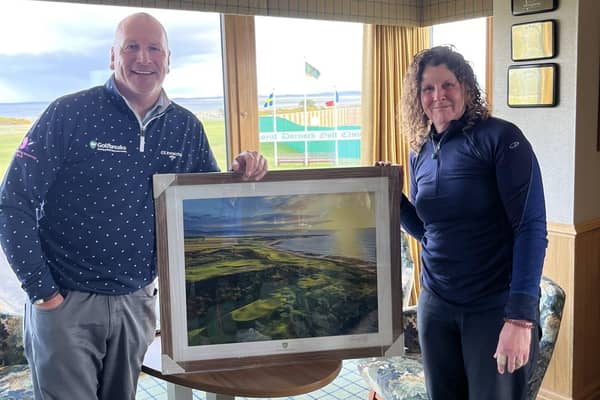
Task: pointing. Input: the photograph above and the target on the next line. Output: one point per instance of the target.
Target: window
(65, 47)
(52, 49)
(309, 80)
(469, 38)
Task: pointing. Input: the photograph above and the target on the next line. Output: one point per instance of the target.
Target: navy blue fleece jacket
(477, 207)
(76, 204)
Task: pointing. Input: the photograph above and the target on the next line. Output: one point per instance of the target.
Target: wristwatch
(45, 299)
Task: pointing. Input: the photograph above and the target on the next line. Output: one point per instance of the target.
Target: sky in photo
(309, 212)
(51, 48)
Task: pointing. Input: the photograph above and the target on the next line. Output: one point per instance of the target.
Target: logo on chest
(112, 148)
(22, 151)
(171, 154)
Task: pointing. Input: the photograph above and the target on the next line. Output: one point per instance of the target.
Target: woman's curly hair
(415, 123)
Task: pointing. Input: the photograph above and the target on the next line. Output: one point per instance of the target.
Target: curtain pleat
(388, 51)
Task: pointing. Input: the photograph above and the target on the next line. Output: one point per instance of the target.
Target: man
(77, 218)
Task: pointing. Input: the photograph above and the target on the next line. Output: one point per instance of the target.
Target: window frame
(240, 84)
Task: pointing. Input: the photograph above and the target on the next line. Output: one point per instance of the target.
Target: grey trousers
(90, 347)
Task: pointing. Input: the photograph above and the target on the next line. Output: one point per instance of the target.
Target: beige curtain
(387, 53)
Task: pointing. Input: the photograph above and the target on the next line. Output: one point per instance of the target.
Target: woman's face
(442, 96)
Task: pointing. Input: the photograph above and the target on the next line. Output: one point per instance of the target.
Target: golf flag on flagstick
(269, 101)
(311, 71)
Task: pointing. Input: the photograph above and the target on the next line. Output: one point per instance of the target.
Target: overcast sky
(469, 38)
(50, 49)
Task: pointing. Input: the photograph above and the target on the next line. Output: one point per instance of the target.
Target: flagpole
(305, 109)
(311, 71)
(305, 117)
(335, 125)
(274, 104)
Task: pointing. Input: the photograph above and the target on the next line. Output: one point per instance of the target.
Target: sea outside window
(309, 80)
(57, 48)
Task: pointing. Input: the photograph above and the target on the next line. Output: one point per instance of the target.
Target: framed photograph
(522, 7)
(532, 85)
(302, 265)
(533, 40)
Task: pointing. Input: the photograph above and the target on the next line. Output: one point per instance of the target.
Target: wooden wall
(573, 261)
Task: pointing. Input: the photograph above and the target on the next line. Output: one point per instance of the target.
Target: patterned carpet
(349, 385)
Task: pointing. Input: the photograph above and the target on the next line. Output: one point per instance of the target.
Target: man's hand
(388, 164)
(513, 348)
(251, 164)
(51, 303)
(383, 163)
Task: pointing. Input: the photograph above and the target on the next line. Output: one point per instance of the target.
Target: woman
(477, 207)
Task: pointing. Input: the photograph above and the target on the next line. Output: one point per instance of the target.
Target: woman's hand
(512, 351)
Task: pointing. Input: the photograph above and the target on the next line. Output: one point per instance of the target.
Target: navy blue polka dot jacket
(76, 204)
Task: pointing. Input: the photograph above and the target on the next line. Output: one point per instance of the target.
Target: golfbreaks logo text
(113, 148)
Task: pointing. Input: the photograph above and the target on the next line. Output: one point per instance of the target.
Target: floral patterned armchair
(402, 378)
(15, 381)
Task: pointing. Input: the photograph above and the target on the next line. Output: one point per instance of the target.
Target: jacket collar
(455, 126)
(160, 106)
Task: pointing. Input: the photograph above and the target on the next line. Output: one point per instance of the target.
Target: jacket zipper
(436, 156)
(143, 128)
(142, 139)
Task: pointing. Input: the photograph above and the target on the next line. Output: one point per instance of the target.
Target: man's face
(140, 59)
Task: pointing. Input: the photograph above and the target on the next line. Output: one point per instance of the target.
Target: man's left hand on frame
(251, 164)
(512, 351)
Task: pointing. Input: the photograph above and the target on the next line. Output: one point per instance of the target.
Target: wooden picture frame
(302, 265)
(533, 40)
(598, 123)
(533, 85)
(523, 7)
